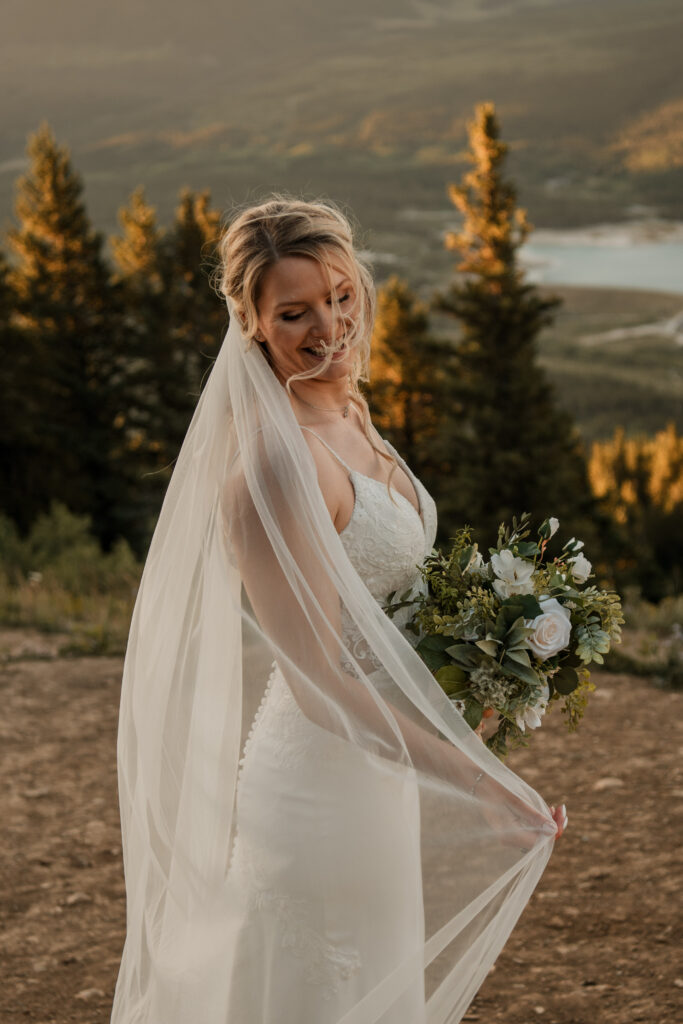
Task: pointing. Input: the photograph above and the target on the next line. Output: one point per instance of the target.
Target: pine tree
(513, 450)
(16, 427)
(409, 390)
(171, 326)
(639, 483)
(140, 282)
(70, 364)
(198, 315)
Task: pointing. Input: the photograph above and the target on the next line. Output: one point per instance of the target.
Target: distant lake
(645, 254)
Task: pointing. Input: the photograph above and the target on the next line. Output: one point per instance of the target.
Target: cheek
(284, 340)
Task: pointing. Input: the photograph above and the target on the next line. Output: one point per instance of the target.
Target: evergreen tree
(140, 281)
(17, 457)
(513, 450)
(409, 388)
(639, 483)
(199, 317)
(171, 326)
(69, 371)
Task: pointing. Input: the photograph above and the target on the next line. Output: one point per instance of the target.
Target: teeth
(323, 351)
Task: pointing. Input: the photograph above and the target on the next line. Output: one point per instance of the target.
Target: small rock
(34, 794)
(77, 897)
(608, 782)
(539, 1009)
(89, 993)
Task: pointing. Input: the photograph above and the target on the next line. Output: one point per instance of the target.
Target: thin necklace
(344, 410)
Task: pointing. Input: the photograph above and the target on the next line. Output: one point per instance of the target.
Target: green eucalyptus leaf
(432, 650)
(464, 654)
(527, 548)
(521, 657)
(524, 672)
(473, 713)
(433, 643)
(451, 679)
(488, 646)
(566, 680)
(529, 604)
(517, 636)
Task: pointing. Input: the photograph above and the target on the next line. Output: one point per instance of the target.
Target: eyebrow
(299, 302)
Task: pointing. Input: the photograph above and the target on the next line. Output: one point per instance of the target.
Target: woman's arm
(298, 608)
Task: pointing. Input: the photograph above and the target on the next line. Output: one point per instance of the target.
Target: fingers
(560, 817)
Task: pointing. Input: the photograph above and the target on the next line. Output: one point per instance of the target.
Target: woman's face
(295, 313)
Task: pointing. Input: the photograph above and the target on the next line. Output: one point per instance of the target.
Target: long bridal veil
(246, 568)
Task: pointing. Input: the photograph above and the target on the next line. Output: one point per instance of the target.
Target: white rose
(514, 574)
(531, 715)
(581, 567)
(553, 523)
(551, 628)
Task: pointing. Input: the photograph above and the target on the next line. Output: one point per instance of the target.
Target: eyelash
(288, 318)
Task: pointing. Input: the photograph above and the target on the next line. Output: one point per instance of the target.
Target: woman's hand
(488, 724)
(560, 818)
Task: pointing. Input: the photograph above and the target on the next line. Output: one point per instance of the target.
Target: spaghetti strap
(329, 448)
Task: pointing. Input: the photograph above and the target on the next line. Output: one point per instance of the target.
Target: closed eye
(288, 317)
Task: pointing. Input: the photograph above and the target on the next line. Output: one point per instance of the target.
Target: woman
(311, 831)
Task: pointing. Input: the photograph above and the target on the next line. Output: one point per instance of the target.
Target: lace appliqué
(357, 645)
(326, 964)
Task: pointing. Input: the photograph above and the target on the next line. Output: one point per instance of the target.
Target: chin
(337, 371)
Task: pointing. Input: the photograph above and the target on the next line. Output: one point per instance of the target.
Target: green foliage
(65, 372)
(639, 483)
(59, 579)
(101, 367)
(409, 392)
(60, 550)
(510, 446)
(575, 702)
(490, 664)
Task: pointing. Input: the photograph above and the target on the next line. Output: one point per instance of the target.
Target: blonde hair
(284, 225)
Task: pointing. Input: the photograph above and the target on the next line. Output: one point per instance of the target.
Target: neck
(325, 394)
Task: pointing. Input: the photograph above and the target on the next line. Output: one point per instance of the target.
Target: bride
(312, 834)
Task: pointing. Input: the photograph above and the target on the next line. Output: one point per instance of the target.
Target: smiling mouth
(320, 353)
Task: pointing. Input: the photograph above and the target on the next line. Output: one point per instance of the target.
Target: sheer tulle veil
(245, 568)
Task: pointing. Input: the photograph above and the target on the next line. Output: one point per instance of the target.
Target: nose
(323, 323)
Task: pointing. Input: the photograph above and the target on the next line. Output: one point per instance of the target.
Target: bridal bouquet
(512, 634)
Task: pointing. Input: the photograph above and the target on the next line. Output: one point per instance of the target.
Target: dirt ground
(599, 942)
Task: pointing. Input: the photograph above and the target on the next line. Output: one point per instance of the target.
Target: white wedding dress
(327, 917)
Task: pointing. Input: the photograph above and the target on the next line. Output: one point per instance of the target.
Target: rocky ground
(599, 942)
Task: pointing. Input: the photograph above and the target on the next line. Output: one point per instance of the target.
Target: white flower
(581, 567)
(551, 628)
(553, 523)
(514, 574)
(531, 715)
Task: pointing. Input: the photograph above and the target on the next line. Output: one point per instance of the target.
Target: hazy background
(363, 101)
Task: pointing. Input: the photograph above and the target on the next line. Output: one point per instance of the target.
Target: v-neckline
(406, 469)
(394, 490)
(389, 448)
